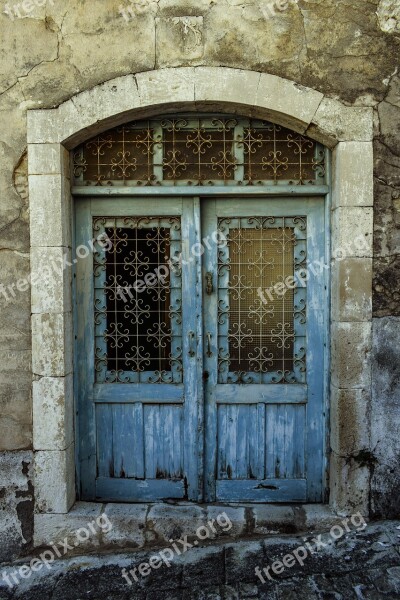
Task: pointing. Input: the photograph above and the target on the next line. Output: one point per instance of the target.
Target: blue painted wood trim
(192, 346)
(200, 355)
(84, 334)
(264, 191)
(267, 490)
(77, 435)
(253, 394)
(136, 490)
(134, 392)
(210, 262)
(317, 308)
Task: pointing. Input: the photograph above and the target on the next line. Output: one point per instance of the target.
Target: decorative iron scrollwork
(199, 150)
(262, 306)
(138, 300)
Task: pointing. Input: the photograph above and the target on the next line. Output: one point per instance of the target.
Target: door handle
(209, 283)
(192, 337)
(209, 353)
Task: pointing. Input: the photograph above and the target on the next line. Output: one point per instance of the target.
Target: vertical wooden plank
(192, 363)
(138, 441)
(165, 453)
(285, 441)
(259, 473)
(84, 354)
(198, 415)
(287, 449)
(242, 441)
(231, 441)
(176, 469)
(123, 440)
(221, 437)
(151, 427)
(210, 311)
(299, 439)
(105, 436)
(274, 436)
(163, 435)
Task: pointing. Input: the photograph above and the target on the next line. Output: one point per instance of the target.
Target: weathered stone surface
(42, 46)
(54, 480)
(349, 558)
(236, 86)
(385, 416)
(16, 504)
(51, 280)
(166, 522)
(352, 289)
(150, 525)
(386, 286)
(389, 16)
(179, 41)
(350, 406)
(53, 405)
(353, 165)
(128, 525)
(353, 231)
(334, 124)
(51, 210)
(269, 519)
(55, 528)
(297, 103)
(351, 347)
(355, 470)
(52, 344)
(15, 352)
(15, 395)
(48, 159)
(233, 518)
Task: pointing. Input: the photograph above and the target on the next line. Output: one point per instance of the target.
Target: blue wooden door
(265, 300)
(139, 354)
(200, 373)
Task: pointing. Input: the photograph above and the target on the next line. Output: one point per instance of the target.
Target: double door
(200, 333)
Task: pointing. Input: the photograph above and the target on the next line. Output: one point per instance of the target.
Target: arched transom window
(199, 150)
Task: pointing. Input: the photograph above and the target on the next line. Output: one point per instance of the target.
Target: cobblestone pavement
(361, 564)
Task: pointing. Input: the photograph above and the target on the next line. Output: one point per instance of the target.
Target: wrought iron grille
(199, 150)
(262, 300)
(138, 300)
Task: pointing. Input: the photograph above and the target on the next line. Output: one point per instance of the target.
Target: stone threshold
(138, 526)
(363, 563)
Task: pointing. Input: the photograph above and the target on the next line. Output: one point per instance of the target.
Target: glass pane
(198, 153)
(259, 303)
(125, 153)
(276, 153)
(199, 150)
(138, 301)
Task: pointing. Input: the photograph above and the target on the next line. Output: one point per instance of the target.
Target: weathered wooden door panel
(207, 362)
(139, 350)
(264, 358)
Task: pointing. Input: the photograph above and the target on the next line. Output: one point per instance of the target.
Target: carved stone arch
(52, 133)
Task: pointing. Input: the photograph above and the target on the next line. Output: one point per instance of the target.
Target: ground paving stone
(362, 565)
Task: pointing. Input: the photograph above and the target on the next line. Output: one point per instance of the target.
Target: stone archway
(52, 133)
